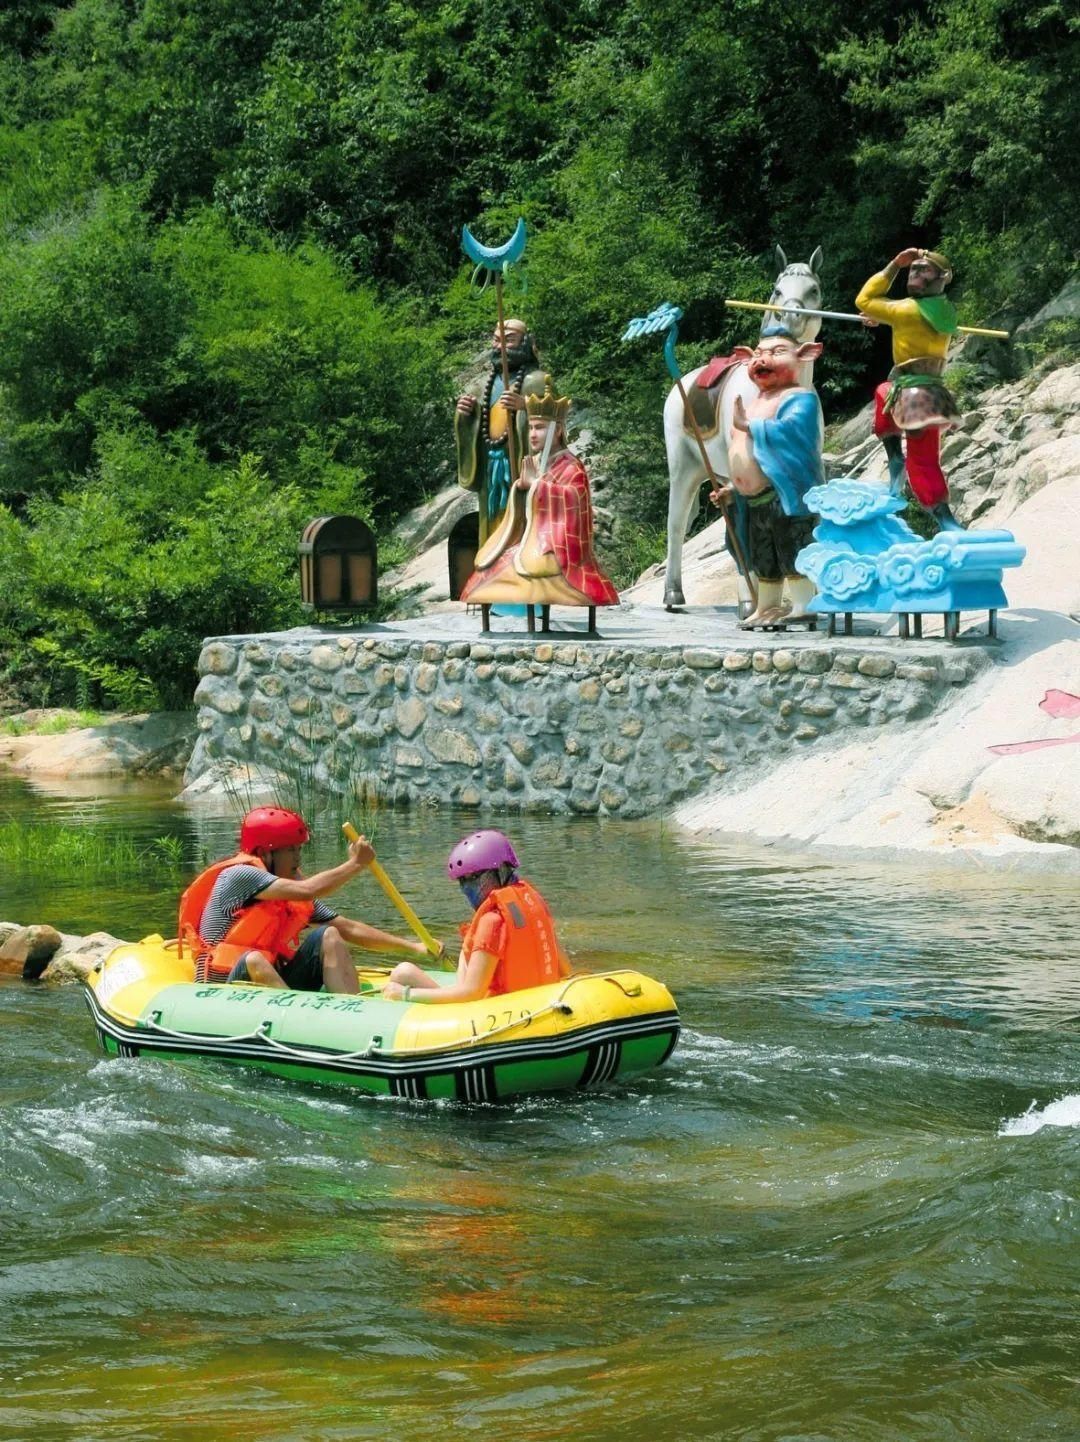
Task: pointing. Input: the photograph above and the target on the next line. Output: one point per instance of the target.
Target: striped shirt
(236, 887)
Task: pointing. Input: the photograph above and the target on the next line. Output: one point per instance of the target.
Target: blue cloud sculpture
(864, 557)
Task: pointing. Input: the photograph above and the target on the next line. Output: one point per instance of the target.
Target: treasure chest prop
(338, 565)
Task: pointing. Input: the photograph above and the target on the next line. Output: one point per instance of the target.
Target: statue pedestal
(529, 612)
(864, 558)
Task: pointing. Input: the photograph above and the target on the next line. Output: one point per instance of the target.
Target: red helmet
(269, 827)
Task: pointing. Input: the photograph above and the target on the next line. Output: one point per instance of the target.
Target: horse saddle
(703, 395)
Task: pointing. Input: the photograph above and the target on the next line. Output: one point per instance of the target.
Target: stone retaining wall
(547, 725)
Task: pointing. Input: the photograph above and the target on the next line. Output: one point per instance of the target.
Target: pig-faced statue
(774, 450)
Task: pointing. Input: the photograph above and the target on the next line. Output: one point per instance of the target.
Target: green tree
(971, 118)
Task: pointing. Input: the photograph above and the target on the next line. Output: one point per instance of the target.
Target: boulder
(1062, 314)
(80, 954)
(42, 951)
(1048, 524)
(424, 582)
(1038, 794)
(1014, 440)
(430, 524)
(853, 432)
(132, 745)
(28, 950)
(709, 574)
(224, 780)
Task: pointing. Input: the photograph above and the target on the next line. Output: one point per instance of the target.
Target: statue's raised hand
(906, 257)
(738, 415)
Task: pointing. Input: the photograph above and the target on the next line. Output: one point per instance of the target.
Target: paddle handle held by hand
(416, 926)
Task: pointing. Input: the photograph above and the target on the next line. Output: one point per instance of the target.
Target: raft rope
(262, 1033)
(557, 1005)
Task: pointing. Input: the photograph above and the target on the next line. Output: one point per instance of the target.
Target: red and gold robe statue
(542, 552)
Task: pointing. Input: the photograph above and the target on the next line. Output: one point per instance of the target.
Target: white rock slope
(934, 786)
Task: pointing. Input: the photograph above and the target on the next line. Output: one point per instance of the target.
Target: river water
(846, 1209)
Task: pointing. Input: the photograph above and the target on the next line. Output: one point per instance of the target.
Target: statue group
(749, 422)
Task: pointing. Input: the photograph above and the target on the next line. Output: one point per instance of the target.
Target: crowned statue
(542, 552)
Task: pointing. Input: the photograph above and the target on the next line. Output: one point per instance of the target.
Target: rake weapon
(665, 318)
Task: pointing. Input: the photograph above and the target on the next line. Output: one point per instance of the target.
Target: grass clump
(65, 721)
(316, 778)
(80, 849)
(56, 724)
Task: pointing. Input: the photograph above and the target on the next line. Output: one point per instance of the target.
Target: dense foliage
(231, 293)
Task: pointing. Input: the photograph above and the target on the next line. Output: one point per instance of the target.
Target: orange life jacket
(531, 953)
(270, 926)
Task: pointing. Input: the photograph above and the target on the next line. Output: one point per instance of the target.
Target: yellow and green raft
(578, 1032)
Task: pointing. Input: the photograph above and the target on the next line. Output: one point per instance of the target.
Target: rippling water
(846, 1209)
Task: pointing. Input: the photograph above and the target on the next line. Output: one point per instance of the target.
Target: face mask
(474, 890)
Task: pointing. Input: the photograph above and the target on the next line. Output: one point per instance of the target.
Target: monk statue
(774, 456)
(482, 423)
(913, 406)
(542, 552)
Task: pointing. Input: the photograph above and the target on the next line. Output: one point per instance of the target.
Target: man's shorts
(304, 972)
(776, 539)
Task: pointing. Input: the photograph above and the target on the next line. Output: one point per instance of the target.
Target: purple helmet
(482, 851)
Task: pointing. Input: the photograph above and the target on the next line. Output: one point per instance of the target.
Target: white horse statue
(797, 288)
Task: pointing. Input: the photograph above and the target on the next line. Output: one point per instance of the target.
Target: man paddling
(247, 918)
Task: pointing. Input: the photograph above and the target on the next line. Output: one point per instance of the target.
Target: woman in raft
(509, 945)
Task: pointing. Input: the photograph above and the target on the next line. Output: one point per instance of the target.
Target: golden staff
(846, 315)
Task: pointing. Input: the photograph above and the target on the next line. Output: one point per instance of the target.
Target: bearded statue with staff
(490, 424)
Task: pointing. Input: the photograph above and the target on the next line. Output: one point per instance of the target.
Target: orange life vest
(270, 926)
(531, 953)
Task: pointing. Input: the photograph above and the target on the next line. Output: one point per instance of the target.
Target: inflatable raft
(578, 1032)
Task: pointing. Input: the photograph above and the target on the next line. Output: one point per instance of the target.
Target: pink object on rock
(1017, 748)
(1060, 704)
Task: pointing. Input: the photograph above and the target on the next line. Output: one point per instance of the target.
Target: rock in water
(28, 951)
